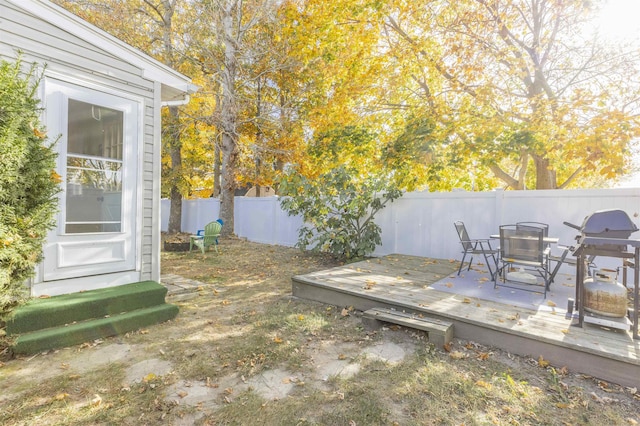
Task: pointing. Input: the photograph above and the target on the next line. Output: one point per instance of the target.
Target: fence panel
(421, 223)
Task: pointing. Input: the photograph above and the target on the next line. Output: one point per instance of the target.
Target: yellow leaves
(55, 177)
(149, 378)
(483, 384)
(277, 340)
(542, 362)
(38, 133)
(61, 396)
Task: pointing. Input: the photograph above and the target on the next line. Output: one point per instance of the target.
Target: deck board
(403, 282)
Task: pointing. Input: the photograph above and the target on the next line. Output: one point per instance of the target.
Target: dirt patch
(242, 349)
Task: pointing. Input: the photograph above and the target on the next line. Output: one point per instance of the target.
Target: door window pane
(94, 169)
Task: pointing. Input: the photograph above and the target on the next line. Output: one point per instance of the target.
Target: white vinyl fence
(421, 223)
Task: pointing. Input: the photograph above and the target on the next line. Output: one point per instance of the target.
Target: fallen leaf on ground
(483, 384)
(97, 400)
(542, 362)
(483, 356)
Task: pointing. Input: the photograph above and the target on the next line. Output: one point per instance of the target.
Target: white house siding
(70, 58)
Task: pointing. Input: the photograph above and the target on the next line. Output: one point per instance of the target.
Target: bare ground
(243, 351)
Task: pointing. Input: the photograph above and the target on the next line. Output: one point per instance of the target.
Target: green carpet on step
(89, 331)
(38, 314)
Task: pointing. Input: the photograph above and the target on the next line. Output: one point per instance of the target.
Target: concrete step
(439, 332)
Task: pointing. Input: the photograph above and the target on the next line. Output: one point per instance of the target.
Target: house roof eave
(175, 86)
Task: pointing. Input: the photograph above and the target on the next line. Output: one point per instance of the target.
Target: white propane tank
(603, 295)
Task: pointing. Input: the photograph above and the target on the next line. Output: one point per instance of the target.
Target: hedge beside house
(28, 181)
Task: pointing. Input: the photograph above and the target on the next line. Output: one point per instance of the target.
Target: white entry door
(97, 162)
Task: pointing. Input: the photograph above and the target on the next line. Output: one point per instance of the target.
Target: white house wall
(74, 60)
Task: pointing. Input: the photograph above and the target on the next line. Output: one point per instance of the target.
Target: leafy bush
(28, 182)
(338, 210)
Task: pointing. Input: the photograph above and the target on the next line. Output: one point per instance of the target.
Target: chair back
(534, 225)
(463, 235)
(520, 243)
(211, 232)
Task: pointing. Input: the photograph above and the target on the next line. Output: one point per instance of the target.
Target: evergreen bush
(28, 181)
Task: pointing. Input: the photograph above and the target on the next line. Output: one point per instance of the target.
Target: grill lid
(608, 224)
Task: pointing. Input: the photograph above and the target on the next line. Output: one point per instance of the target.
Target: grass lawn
(242, 351)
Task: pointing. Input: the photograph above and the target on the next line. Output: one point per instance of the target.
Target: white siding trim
(157, 166)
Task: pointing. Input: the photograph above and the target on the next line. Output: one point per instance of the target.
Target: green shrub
(338, 210)
(28, 182)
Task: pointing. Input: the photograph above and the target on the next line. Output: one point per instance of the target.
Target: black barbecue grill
(606, 233)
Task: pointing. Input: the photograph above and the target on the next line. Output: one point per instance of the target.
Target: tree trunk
(545, 176)
(229, 116)
(216, 169)
(227, 194)
(175, 212)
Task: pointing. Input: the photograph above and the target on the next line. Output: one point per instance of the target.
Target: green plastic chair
(208, 238)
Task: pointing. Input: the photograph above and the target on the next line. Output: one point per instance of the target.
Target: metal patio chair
(534, 225)
(476, 246)
(524, 249)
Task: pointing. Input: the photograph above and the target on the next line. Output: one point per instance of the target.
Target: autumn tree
(518, 88)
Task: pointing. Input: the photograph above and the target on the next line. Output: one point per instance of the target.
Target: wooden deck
(402, 282)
